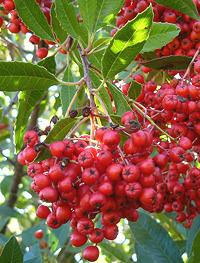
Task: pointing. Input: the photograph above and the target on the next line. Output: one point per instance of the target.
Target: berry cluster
(188, 40)
(154, 169)
(16, 25)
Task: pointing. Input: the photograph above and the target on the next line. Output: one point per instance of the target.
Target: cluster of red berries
(188, 40)
(109, 181)
(16, 25)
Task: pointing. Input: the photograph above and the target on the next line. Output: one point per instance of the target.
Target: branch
(87, 78)
(190, 65)
(12, 102)
(8, 159)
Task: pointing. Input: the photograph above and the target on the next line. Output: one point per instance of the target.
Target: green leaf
(119, 99)
(61, 33)
(115, 252)
(28, 238)
(31, 14)
(27, 102)
(5, 184)
(170, 62)
(67, 92)
(6, 211)
(126, 44)
(49, 63)
(160, 35)
(153, 243)
(24, 76)
(33, 255)
(62, 234)
(11, 252)
(59, 131)
(195, 249)
(191, 234)
(134, 90)
(186, 7)
(106, 11)
(105, 97)
(88, 12)
(97, 13)
(67, 17)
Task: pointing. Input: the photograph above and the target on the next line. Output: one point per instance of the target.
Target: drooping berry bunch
(15, 24)
(189, 38)
(94, 184)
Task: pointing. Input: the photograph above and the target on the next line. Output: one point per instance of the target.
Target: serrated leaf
(27, 101)
(186, 7)
(153, 243)
(134, 90)
(115, 252)
(59, 131)
(105, 97)
(66, 15)
(62, 234)
(67, 92)
(170, 62)
(49, 63)
(160, 35)
(191, 234)
(106, 10)
(88, 12)
(195, 256)
(126, 44)
(61, 33)
(31, 14)
(119, 98)
(16, 76)
(96, 13)
(11, 252)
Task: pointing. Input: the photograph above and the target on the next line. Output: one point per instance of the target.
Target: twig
(72, 101)
(12, 102)
(88, 82)
(77, 126)
(190, 65)
(151, 121)
(77, 83)
(8, 159)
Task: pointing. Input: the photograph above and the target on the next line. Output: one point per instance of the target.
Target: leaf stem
(77, 83)
(72, 101)
(190, 65)
(151, 121)
(77, 126)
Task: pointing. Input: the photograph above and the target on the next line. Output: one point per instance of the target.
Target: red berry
(43, 211)
(91, 253)
(42, 52)
(39, 234)
(77, 239)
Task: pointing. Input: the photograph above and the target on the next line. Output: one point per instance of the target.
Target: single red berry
(96, 236)
(77, 239)
(39, 234)
(43, 211)
(91, 253)
(42, 52)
